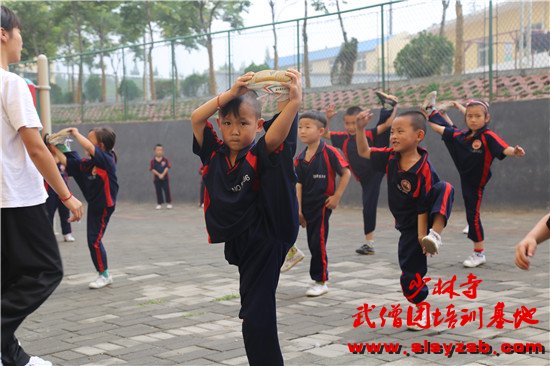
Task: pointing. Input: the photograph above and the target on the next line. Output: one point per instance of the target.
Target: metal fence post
(298, 44)
(229, 59)
(490, 50)
(124, 82)
(174, 81)
(81, 82)
(383, 62)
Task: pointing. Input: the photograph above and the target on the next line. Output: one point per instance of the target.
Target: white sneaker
(421, 323)
(443, 107)
(431, 242)
(474, 260)
(101, 281)
(169, 206)
(37, 361)
(466, 229)
(293, 257)
(69, 237)
(158, 207)
(318, 289)
(429, 102)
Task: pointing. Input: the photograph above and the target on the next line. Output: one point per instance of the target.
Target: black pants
(31, 270)
(473, 194)
(370, 192)
(259, 258)
(160, 187)
(411, 259)
(52, 204)
(317, 234)
(98, 218)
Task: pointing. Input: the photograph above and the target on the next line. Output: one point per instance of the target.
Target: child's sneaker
(466, 229)
(431, 242)
(443, 107)
(293, 257)
(429, 102)
(320, 288)
(158, 207)
(169, 206)
(422, 323)
(101, 281)
(366, 249)
(387, 101)
(475, 260)
(69, 237)
(37, 361)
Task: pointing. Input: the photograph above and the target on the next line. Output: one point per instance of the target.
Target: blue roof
(364, 46)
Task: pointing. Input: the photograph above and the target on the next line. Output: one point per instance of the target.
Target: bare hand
(70, 130)
(363, 119)
(240, 86)
(518, 151)
(294, 86)
(332, 202)
(524, 250)
(330, 111)
(302, 220)
(75, 206)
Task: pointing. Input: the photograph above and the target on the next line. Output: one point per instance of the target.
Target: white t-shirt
(22, 184)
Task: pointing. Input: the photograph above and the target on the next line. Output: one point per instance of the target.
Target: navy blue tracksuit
(318, 179)
(53, 203)
(253, 208)
(362, 169)
(96, 178)
(473, 156)
(161, 185)
(411, 193)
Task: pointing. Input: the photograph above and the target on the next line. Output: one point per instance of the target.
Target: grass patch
(192, 314)
(152, 302)
(227, 297)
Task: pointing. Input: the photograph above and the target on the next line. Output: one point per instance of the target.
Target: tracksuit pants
(473, 194)
(98, 218)
(259, 257)
(411, 259)
(163, 186)
(370, 191)
(317, 234)
(31, 270)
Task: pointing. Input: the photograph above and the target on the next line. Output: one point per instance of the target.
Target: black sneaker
(387, 101)
(365, 249)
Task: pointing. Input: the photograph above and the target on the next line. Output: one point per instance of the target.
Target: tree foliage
(425, 55)
(194, 85)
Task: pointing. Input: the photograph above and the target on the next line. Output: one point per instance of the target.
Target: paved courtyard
(175, 299)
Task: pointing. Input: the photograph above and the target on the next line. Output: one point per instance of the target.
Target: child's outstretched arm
(206, 110)
(381, 128)
(516, 151)
(527, 246)
(363, 147)
(278, 131)
(301, 217)
(330, 112)
(333, 201)
(82, 140)
(437, 128)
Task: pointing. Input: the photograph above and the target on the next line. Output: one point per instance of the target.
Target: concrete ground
(175, 300)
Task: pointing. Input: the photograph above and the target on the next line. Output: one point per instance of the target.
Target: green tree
(129, 89)
(163, 88)
(192, 85)
(206, 12)
(256, 68)
(425, 55)
(92, 87)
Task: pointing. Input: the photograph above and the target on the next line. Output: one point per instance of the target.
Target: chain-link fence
(473, 49)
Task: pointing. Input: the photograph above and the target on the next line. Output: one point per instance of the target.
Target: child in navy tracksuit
(361, 168)
(316, 167)
(159, 167)
(472, 151)
(417, 199)
(53, 203)
(250, 200)
(97, 180)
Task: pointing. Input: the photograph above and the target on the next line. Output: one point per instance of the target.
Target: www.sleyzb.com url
(449, 349)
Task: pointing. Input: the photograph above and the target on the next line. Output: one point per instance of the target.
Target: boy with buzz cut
(417, 199)
(316, 168)
(361, 168)
(250, 200)
(159, 166)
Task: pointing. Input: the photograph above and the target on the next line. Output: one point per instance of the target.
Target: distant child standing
(159, 166)
(96, 177)
(473, 151)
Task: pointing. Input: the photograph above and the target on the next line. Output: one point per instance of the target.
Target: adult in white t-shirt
(31, 263)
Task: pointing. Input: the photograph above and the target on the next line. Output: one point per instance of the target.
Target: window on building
(508, 52)
(482, 51)
(361, 64)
